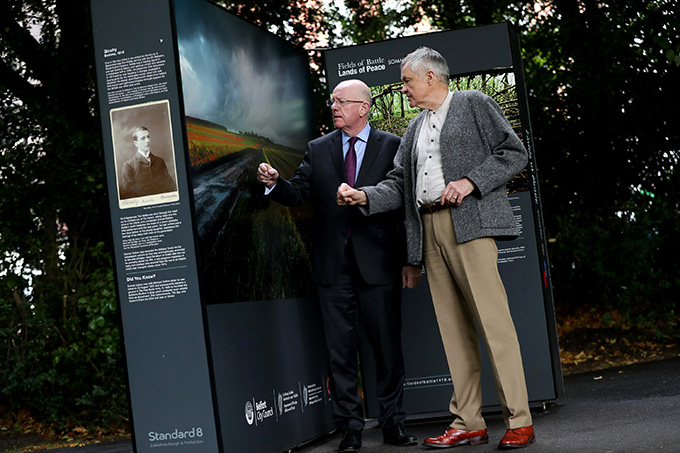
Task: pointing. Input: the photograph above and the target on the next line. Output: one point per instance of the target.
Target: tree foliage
(60, 341)
(604, 85)
(602, 80)
(362, 21)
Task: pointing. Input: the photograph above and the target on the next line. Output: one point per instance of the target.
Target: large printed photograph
(144, 154)
(391, 111)
(247, 100)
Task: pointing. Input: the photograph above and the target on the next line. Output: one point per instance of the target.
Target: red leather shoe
(454, 437)
(517, 438)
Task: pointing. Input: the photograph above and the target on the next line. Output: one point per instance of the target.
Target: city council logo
(250, 413)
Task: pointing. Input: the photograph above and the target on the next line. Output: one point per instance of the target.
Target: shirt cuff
(267, 190)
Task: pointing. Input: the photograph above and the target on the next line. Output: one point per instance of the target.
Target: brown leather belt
(431, 208)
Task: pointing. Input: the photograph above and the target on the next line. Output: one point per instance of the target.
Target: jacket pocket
(495, 210)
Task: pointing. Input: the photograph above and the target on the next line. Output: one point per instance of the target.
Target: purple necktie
(351, 168)
(351, 162)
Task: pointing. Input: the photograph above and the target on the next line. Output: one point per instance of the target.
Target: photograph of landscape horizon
(247, 99)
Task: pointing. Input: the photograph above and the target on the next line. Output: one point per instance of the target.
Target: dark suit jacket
(140, 177)
(377, 240)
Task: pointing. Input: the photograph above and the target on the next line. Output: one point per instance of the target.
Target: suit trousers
(379, 307)
(467, 289)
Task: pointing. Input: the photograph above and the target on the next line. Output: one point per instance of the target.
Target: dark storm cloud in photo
(240, 79)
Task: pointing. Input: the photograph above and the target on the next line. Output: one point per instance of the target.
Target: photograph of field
(391, 111)
(210, 142)
(238, 228)
(247, 100)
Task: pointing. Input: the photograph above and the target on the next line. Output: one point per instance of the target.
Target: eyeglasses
(341, 102)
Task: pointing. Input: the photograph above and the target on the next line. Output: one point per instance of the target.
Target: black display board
(247, 99)
(485, 58)
(270, 373)
(223, 344)
(155, 261)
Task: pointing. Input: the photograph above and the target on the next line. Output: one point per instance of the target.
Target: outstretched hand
(350, 196)
(267, 174)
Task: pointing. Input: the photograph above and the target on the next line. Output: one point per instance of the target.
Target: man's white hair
(424, 59)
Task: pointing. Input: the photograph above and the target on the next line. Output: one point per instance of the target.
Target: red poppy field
(208, 143)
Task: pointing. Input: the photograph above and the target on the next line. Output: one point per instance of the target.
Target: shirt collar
(146, 156)
(445, 105)
(363, 135)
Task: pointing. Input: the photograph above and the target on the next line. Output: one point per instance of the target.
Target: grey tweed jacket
(476, 142)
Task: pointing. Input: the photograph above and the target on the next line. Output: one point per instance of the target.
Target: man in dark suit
(356, 260)
(144, 173)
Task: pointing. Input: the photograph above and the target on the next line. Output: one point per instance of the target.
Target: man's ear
(364, 109)
(430, 78)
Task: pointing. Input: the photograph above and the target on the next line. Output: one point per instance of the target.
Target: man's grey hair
(424, 59)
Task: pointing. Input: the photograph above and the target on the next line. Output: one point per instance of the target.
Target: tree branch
(23, 45)
(17, 85)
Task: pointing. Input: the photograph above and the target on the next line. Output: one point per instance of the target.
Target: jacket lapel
(336, 155)
(414, 147)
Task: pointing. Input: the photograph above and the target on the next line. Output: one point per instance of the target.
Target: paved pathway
(631, 409)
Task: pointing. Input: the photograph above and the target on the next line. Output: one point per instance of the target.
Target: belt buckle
(430, 208)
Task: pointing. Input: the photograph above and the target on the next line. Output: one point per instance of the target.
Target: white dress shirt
(430, 182)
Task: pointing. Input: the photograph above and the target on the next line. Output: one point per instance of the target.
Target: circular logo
(305, 395)
(250, 413)
(280, 404)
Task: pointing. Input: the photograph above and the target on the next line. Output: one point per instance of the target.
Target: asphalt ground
(629, 409)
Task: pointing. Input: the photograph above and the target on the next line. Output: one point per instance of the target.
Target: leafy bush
(62, 359)
(626, 261)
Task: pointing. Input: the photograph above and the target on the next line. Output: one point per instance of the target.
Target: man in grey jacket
(450, 174)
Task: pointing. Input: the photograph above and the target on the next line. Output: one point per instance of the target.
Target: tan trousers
(466, 288)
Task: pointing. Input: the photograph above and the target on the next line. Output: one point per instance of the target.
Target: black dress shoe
(396, 435)
(351, 441)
